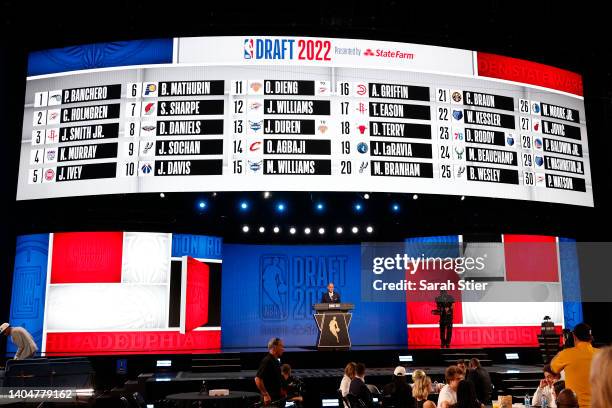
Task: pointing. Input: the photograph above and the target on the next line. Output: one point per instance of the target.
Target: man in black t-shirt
(268, 377)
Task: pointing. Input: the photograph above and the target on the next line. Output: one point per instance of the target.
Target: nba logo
(248, 48)
(274, 287)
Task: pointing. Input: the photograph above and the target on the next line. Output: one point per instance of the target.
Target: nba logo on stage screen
(274, 288)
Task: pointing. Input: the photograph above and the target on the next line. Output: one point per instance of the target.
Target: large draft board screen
(300, 114)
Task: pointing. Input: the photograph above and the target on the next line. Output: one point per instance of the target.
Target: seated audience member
(576, 362)
(448, 393)
(546, 387)
(558, 386)
(567, 399)
(481, 379)
(568, 338)
(398, 392)
(292, 387)
(349, 374)
(462, 364)
(466, 396)
(358, 387)
(434, 388)
(421, 389)
(601, 379)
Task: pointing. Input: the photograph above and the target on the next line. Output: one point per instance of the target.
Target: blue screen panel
(269, 291)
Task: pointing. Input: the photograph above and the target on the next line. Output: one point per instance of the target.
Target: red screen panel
(198, 279)
(164, 342)
(420, 302)
(87, 257)
(527, 72)
(477, 337)
(531, 258)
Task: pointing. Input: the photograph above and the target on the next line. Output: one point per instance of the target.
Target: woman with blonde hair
(601, 378)
(421, 389)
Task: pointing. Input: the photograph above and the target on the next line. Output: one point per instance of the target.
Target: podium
(549, 341)
(333, 320)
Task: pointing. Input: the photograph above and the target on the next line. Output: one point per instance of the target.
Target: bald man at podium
(330, 296)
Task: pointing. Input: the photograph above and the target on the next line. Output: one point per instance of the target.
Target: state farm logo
(383, 53)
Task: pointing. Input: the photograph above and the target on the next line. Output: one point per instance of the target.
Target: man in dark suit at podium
(330, 296)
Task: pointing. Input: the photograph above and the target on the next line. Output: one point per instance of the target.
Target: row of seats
(72, 372)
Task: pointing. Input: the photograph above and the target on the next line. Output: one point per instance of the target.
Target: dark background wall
(571, 36)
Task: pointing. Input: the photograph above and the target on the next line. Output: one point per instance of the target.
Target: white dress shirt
(447, 395)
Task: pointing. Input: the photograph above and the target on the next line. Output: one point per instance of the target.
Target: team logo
(55, 99)
(53, 115)
(150, 90)
(460, 172)
(459, 151)
(535, 108)
(368, 53)
(149, 109)
(539, 160)
(323, 88)
(540, 180)
(256, 86)
(255, 166)
(362, 129)
(51, 155)
(148, 128)
(457, 114)
(364, 165)
(147, 147)
(510, 140)
(255, 126)
(255, 106)
(248, 48)
(362, 147)
(361, 108)
(255, 146)
(323, 127)
(458, 135)
(52, 136)
(537, 143)
(536, 125)
(274, 287)
(457, 97)
(361, 90)
(146, 168)
(49, 175)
